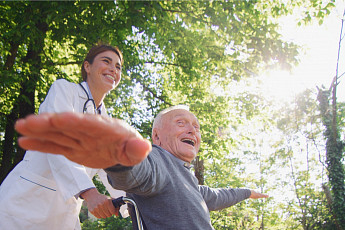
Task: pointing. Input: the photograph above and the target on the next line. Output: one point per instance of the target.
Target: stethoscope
(88, 102)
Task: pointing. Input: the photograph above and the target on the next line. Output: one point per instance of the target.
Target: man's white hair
(158, 119)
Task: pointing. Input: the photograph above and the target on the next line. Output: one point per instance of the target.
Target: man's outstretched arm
(90, 140)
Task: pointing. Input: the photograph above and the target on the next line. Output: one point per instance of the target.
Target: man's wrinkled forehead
(179, 113)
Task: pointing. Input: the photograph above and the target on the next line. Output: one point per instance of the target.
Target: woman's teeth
(110, 77)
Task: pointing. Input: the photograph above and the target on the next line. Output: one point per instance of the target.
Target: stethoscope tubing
(88, 99)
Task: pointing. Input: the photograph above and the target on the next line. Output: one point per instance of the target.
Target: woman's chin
(109, 85)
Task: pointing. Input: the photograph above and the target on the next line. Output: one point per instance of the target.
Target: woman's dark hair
(94, 51)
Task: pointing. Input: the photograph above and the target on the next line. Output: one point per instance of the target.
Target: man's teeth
(188, 141)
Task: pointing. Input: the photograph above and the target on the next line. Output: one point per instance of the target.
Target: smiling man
(178, 131)
(159, 179)
(165, 190)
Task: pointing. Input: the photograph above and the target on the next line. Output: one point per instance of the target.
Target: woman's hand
(98, 204)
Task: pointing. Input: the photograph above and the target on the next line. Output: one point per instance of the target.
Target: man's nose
(191, 128)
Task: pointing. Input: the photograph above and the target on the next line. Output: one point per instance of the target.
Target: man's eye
(118, 67)
(106, 61)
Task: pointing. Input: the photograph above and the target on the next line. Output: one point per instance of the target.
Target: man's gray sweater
(168, 195)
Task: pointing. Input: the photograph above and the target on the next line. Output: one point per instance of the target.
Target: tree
(334, 145)
(302, 127)
(334, 153)
(175, 52)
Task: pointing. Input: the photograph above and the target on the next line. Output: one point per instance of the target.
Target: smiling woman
(102, 72)
(46, 191)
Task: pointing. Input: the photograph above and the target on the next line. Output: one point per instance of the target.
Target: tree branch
(166, 63)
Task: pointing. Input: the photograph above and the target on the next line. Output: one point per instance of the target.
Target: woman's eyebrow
(110, 59)
(107, 58)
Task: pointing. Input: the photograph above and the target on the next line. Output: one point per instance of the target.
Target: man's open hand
(257, 195)
(91, 140)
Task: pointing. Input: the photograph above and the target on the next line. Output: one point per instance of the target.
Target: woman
(45, 191)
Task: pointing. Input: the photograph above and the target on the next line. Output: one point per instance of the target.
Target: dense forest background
(206, 54)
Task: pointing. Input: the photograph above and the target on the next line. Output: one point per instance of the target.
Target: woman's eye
(106, 61)
(118, 67)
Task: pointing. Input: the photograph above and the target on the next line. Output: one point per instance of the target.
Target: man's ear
(155, 137)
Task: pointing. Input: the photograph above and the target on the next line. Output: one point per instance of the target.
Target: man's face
(179, 134)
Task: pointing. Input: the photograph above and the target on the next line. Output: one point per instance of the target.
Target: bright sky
(317, 67)
(318, 62)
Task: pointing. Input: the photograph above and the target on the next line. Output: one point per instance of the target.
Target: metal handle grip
(118, 202)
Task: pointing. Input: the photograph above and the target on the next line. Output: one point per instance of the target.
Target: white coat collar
(83, 95)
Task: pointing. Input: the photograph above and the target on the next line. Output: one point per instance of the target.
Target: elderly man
(166, 192)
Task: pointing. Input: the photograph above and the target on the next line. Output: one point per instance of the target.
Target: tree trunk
(7, 153)
(199, 170)
(25, 103)
(334, 153)
(8, 145)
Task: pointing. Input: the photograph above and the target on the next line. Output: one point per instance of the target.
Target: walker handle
(118, 202)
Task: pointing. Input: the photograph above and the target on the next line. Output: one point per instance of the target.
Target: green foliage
(334, 154)
(110, 223)
(99, 185)
(175, 52)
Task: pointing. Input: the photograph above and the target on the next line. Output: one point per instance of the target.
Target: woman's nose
(112, 69)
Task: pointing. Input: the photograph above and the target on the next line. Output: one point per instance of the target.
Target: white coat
(41, 192)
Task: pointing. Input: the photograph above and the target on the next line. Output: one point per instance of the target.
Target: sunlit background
(318, 59)
(317, 67)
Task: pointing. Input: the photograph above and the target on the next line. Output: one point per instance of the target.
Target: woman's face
(104, 73)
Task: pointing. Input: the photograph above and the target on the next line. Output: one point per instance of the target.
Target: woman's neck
(96, 95)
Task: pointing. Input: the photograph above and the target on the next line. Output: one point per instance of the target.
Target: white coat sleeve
(71, 178)
(114, 193)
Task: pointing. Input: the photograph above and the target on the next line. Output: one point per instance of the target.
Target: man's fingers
(137, 150)
(33, 124)
(42, 146)
(90, 140)
(257, 195)
(60, 139)
(70, 121)
(56, 121)
(89, 124)
(41, 127)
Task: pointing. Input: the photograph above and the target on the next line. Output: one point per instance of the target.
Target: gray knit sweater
(168, 195)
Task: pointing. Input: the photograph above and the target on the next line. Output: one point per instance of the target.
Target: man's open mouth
(188, 141)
